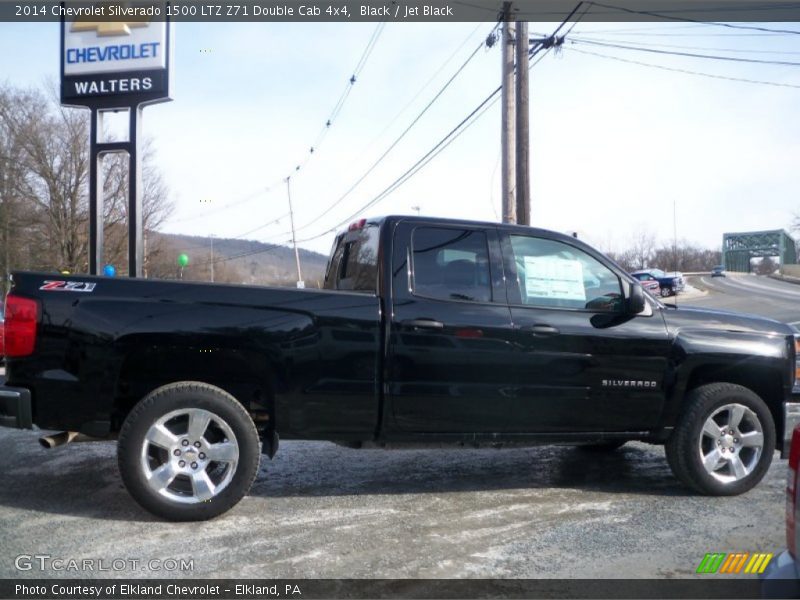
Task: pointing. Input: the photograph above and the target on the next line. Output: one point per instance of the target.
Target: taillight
(19, 329)
(355, 226)
(791, 492)
(797, 363)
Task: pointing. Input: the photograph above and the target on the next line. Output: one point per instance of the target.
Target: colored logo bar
(733, 564)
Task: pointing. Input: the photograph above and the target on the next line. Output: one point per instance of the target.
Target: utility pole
(300, 282)
(144, 253)
(523, 190)
(507, 137)
(212, 257)
(675, 234)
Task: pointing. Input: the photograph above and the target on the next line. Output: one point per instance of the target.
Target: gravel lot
(319, 510)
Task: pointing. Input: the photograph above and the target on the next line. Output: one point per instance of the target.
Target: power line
(204, 244)
(435, 150)
(641, 30)
(486, 105)
(417, 166)
(433, 153)
(659, 30)
(449, 138)
(569, 16)
(260, 227)
(578, 20)
(397, 140)
(689, 54)
(244, 200)
(723, 35)
(684, 47)
(334, 114)
(424, 86)
(690, 20)
(541, 58)
(557, 42)
(685, 71)
(362, 61)
(269, 248)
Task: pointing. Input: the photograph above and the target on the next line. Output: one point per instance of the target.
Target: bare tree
(639, 252)
(686, 257)
(155, 207)
(642, 252)
(53, 156)
(15, 220)
(44, 169)
(766, 266)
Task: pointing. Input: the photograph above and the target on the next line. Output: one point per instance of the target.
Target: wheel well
(247, 377)
(764, 381)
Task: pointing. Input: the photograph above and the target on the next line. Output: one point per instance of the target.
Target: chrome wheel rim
(731, 443)
(189, 455)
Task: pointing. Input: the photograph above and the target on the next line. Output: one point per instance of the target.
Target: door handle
(543, 330)
(422, 324)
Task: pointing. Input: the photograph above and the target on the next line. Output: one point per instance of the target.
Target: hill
(235, 260)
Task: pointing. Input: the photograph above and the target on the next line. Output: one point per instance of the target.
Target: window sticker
(554, 277)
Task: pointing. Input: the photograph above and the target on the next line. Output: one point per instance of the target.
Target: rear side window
(451, 264)
(354, 262)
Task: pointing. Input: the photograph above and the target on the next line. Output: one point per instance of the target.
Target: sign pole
(95, 194)
(135, 246)
(126, 81)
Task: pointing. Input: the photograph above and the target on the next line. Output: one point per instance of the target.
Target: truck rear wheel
(188, 452)
(724, 442)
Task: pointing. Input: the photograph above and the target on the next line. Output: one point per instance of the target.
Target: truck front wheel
(188, 452)
(724, 441)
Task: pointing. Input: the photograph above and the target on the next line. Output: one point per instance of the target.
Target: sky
(616, 147)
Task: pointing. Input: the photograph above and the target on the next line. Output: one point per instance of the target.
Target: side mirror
(636, 300)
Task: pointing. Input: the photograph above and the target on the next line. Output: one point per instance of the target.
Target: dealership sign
(115, 57)
(111, 64)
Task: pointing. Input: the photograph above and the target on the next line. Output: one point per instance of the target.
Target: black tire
(666, 292)
(686, 446)
(602, 447)
(137, 455)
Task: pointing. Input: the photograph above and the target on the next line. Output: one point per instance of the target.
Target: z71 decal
(68, 286)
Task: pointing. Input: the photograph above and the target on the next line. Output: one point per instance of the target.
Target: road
(747, 293)
(319, 510)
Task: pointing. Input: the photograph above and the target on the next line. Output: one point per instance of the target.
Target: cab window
(451, 264)
(552, 274)
(354, 261)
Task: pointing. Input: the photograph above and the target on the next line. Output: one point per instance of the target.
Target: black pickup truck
(428, 331)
